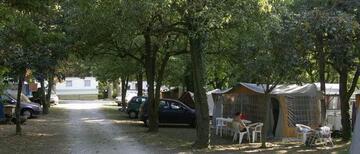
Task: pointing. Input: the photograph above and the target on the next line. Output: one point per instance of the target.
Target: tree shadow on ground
(181, 137)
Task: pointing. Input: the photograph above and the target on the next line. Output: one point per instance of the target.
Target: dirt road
(72, 127)
(89, 131)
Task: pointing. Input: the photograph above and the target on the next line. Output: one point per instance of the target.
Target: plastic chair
(236, 127)
(257, 130)
(325, 135)
(303, 130)
(220, 125)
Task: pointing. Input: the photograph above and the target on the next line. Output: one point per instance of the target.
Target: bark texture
(150, 65)
(43, 97)
(139, 78)
(18, 101)
(201, 106)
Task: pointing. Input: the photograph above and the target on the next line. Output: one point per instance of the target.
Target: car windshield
(23, 98)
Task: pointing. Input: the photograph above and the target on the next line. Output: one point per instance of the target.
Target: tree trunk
(150, 65)
(266, 120)
(18, 101)
(202, 112)
(139, 85)
(49, 91)
(110, 90)
(116, 87)
(124, 86)
(321, 61)
(344, 100)
(43, 97)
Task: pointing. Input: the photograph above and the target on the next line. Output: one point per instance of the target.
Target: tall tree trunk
(150, 62)
(110, 90)
(197, 40)
(266, 119)
(18, 101)
(43, 97)
(321, 61)
(49, 90)
(116, 87)
(124, 85)
(139, 78)
(344, 100)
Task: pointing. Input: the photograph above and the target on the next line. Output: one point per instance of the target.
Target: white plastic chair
(303, 130)
(325, 135)
(236, 127)
(257, 130)
(220, 125)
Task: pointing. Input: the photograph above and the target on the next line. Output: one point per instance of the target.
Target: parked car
(170, 112)
(129, 95)
(27, 108)
(134, 105)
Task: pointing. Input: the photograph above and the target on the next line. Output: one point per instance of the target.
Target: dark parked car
(170, 112)
(134, 105)
(27, 108)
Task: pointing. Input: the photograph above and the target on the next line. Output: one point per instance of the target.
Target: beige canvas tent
(290, 105)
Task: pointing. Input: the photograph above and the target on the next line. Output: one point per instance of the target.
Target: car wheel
(27, 113)
(132, 115)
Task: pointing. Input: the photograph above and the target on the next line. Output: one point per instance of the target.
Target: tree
(344, 57)
(331, 33)
(20, 37)
(147, 37)
(268, 55)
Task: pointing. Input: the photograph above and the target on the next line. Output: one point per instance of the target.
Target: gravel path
(73, 127)
(89, 131)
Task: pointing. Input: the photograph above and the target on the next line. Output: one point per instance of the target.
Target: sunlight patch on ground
(80, 106)
(126, 122)
(98, 121)
(121, 138)
(40, 134)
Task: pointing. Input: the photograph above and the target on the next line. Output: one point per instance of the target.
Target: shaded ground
(98, 127)
(180, 138)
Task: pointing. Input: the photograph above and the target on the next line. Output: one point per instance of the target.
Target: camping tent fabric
(297, 104)
(210, 100)
(330, 88)
(188, 99)
(355, 144)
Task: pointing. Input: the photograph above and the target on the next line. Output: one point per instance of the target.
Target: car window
(138, 100)
(5, 98)
(175, 106)
(164, 105)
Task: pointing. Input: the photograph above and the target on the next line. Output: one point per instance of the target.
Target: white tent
(290, 105)
(355, 143)
(210, 100)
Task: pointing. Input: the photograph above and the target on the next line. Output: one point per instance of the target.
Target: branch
(123, 52)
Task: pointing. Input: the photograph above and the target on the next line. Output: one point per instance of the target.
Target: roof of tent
(331, 88)
(213, 91)
(308, 89)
